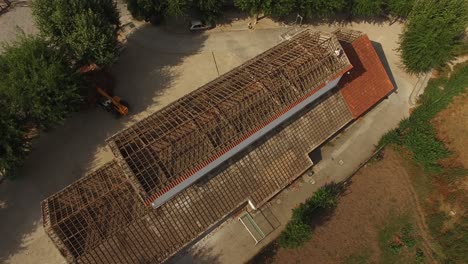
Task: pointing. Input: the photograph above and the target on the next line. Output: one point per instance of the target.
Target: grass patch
(358, 258)
(415, 138)
(397, 240)
(299, 228)
(416, 132)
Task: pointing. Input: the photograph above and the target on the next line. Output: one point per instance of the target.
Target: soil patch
(377, 193)
(451, 125)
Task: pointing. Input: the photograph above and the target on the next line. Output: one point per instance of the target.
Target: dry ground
(378, 192)
(452, 128)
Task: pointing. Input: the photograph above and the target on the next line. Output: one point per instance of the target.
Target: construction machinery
(102, 81)
(112, 103)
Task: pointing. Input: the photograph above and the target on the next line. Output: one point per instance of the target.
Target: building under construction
(237, 140)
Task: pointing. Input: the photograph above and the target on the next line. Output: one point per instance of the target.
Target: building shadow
(381, 53)
(316, 155)
(65, 153)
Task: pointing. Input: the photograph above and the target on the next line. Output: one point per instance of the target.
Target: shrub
(295, 234)
(298, 230)
(416, 132)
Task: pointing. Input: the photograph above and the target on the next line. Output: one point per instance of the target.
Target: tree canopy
(400, 8)
(12, 149)
(85, 30)
(37, 88)
(432, 33)
(320, 8)
(366, 8)
(209, 9)
(37, 82)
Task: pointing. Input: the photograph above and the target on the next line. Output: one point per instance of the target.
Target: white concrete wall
(257, 135)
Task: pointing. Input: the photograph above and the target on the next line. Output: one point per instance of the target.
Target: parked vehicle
(198, 25)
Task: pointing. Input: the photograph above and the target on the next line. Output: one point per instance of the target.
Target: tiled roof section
(367, 82)
(180, 139)
(116, 228)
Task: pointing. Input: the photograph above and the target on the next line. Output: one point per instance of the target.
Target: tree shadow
(201, 256)
(64, 154)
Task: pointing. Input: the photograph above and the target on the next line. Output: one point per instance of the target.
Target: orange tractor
(102, 95)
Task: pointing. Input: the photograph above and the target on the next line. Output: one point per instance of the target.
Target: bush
(416, 132)
(295, 234)
(432, 33)
(298, 230)
(85, 30)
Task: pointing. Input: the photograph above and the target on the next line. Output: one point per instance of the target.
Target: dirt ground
(452, 128)
(378, 192)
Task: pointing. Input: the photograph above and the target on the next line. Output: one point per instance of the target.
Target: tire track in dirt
(420, 220)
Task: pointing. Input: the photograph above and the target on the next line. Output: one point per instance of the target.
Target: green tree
(279, 8)
(12, 146)
(93, 22)
(432, 33)
(149, 10)
(37, 84)
(276, 8)
(253, 7)
(400, 8)
(320, 8)
(209, 9)
(366, 8)
(176, 8)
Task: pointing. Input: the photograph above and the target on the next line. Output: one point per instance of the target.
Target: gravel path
(18, 18)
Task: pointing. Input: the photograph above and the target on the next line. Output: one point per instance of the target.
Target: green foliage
(419, 258)
(454, 242)
(12, 147)
(209, 10)
(85, 30)
(320, 8)
(366, 8)
(146, 9)
(279, 8)
(416, 132)
(253, 7)
(298, 230)
(155, 10)
(397, 234)
(432, 33)
(361, 258)
(37, 88)
(37, 84)
(92, 41)
(400, 8)
(295, 234)
(176, 8)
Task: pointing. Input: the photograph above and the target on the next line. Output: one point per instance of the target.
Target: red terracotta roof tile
(367, 83)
